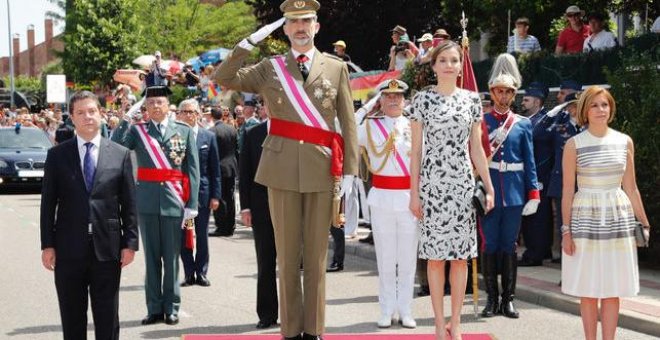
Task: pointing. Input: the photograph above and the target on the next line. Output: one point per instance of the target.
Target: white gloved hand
(265, 31)
(135, 110)
(346, 185)
(531, 207)
(366, 108)
(189, 213)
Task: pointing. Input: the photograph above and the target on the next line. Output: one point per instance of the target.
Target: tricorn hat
(157, 91)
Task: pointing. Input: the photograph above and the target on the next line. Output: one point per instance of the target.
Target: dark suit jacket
(227, 147)
(254, 196)
(67, 208)
(209, 167)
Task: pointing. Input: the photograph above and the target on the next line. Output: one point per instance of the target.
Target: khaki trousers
(300, 222)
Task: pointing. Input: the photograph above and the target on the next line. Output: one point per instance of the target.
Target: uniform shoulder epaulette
(333, 56)
(376, 116)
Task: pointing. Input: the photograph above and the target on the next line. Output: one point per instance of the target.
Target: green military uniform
(160, 214)
(297, 173)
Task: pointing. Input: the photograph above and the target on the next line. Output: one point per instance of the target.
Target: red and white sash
(160, 161)
(397, 155)
(498, 136)
(297, 96)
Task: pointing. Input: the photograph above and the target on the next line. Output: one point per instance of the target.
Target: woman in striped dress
(599, 220)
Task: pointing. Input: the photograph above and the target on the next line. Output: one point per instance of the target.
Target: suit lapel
(74, 161)
(170, 131)
(317, 67)
(152, 130)
(100, 164)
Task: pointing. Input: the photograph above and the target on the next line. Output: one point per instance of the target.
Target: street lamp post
(11, 61)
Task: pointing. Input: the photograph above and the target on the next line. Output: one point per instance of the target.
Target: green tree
(188, 27)
(99, 38)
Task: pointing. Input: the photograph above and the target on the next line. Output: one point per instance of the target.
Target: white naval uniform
(394, 227)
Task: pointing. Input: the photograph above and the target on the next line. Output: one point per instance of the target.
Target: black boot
(489, 271)
(509, 274)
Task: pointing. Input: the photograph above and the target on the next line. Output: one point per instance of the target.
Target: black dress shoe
(188, 281)
(203, 281)
(171, 319)
(369, 239)
(306, 336)
(335, 267)
(556, 260)
(297, 337)
(529, 263)
(266, 323)
(152, 319)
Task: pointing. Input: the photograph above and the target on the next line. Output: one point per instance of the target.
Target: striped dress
(602, 222)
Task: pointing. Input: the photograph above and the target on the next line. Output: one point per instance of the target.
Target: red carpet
(331, 337)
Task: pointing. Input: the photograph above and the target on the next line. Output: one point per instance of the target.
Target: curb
(627, 319)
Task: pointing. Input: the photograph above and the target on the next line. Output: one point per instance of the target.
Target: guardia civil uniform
(297, 160)
(160, 210)
(385, 143)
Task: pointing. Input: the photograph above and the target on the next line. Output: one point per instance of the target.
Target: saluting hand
(265, 31)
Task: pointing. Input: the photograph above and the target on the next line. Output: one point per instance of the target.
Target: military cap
(485, 97)
(441, 33)
(300, 9)
(537, 89)
(250, 103)
(157, 91)
(503, 80)
(570, 84)
(400, 30)
(392, 86)
(571, 98)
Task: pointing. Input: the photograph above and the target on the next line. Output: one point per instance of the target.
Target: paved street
(30, 304)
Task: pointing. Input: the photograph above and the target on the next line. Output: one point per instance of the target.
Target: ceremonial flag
(212, 91)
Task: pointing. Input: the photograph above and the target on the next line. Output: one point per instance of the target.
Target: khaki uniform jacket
(289, 164)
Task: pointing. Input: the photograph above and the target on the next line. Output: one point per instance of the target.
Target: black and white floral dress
(448, 229)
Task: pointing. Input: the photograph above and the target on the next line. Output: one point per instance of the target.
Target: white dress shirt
(82, 150)
(309, 54)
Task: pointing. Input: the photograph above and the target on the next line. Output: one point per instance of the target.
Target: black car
(22, 156)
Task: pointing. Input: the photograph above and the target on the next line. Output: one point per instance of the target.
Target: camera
(401, 46)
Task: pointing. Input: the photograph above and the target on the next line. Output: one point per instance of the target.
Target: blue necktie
(89, 168)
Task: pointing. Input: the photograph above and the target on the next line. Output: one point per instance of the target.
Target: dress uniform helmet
(505, 73)
(392, 86)
(300, 9)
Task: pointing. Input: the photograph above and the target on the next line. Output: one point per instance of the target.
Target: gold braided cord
(367, 161)
(387, 148)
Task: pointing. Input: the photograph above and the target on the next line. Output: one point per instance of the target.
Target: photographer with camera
(402, 51)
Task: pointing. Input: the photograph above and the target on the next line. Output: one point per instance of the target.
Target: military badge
(327, 103)
(318, 93)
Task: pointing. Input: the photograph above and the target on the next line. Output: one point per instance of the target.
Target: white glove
(366, 108)
(556, 110)
(189, 213)
(530, 207)
(134, 110)
(346, 185)
(265, 31)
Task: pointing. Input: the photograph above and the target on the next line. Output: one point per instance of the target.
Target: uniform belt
(163, 175)
(504, 166)
(312, 135)
(391, 182)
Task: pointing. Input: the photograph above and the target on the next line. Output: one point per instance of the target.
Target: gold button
(162, 183)
(162, 148)
(302, 141)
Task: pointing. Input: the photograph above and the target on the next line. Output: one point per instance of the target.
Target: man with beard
(301, 163)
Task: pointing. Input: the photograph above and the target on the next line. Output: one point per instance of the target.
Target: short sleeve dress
(448, 228)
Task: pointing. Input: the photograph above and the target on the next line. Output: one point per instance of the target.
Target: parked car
(22, 156)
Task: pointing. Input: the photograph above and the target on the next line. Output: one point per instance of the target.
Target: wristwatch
(565, 229)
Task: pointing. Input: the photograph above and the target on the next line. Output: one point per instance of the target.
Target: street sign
(56, 88)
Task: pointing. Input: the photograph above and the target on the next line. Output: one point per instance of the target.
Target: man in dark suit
(88, 222)
(209, 195)
(225, 217)
(255, 213)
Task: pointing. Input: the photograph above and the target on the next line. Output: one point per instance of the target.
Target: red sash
(390, 182)
(312, 135)
(165, 175)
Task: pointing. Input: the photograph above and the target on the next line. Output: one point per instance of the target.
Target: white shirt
(82, 150)
(599, 41)
(163, 124)
(309, 54)
(195, 131)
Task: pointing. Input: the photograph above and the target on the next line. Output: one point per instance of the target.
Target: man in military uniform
(301, 163)
(537, 228)
(167, 190)
(513, 172)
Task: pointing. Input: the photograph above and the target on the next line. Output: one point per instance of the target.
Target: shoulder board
(332, 56)
(376, 116)
(522, 117)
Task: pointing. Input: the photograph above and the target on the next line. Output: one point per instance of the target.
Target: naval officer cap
(393, 86)
(300, 9)
(156, 91)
